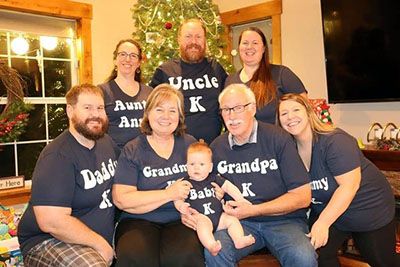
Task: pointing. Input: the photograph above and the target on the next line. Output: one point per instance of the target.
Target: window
(49, 66)
(45, 91)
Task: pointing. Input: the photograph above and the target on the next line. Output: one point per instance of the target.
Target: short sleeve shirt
(200, 84)
(139, 165)
(263, 170)
(124, 112)
(285, 82)
(70, 175)
(335, 154)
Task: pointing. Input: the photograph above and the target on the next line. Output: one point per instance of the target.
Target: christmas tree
(157, 23)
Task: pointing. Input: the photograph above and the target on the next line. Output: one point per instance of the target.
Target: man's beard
(192, 57)
(92, 134)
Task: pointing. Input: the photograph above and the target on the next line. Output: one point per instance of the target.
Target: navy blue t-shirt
(139, 165)
(200, 84)
(124, 112)
(263, 170)
(285, 81)
(70, 175)
(202, 197)
(335, 154)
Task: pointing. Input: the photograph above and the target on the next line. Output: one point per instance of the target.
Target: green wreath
(14, 117)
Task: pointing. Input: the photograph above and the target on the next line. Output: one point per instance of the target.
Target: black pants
(144, 243)
(377, 247)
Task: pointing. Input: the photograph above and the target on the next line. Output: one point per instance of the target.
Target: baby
(202, 198)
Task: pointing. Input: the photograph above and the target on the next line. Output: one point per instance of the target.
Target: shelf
(384, 159)
(15, 196)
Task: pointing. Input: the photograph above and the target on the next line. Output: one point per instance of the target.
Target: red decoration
(321, 108)
(168, 25)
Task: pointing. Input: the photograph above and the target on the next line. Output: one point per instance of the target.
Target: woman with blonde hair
(350, 196)
(148, 179)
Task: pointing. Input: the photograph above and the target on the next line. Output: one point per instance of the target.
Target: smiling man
(262, 161)
(70, 217)
(200, 79)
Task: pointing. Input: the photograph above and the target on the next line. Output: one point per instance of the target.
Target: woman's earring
(115, 68)
(138, 70)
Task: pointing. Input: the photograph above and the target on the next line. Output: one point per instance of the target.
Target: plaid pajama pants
(53, 252)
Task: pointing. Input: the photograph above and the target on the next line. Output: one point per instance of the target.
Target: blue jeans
(285, 239)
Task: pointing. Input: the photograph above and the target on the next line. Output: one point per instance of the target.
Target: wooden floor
(270, 261)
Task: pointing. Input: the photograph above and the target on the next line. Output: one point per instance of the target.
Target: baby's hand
(184, 208)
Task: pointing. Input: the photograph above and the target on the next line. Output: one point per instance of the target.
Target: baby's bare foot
(215, 248)
(244, 241)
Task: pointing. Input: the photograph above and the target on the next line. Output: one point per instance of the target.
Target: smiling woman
(147, 181)
(350, 196)
(124, 94)
(268, 81)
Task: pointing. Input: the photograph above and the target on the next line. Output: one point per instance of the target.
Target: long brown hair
(261, 83)
(317, 126)
(138, 73)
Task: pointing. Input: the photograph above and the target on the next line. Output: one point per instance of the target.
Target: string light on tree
(157, 23)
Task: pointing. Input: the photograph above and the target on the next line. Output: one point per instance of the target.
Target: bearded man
(200, 79)
(70, 217)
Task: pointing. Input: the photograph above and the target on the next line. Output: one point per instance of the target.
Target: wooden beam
(85, 50)
(276, 40)
(252, 13)
(55, 8)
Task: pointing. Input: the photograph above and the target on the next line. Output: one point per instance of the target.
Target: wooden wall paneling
(271, 9)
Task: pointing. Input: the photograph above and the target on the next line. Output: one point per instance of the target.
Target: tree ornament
(168, 25)
(219, 21)
(219, 53)
(160, 41)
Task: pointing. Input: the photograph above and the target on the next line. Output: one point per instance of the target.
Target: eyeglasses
(124, 55)
(235, 109)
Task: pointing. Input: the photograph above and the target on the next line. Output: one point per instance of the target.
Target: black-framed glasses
(124, 55)
(236, 109)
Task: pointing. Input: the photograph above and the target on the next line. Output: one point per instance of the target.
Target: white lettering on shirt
(207, 209)
(192, 84)
(195, 105)
(148, 172)
(132, 123)
(245, 167)
(321, 184)
(119, 105)
(99, 176)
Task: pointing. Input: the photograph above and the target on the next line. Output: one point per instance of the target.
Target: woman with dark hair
(148, 179)
(268, 81)
(350, 196)
(124, 94)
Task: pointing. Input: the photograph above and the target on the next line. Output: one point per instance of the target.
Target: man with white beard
(200, 80)
(70, 217)
(262, 161)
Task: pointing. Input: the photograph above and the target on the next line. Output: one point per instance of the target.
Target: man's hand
(188, 219)
(239, 210)
(106, 251)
